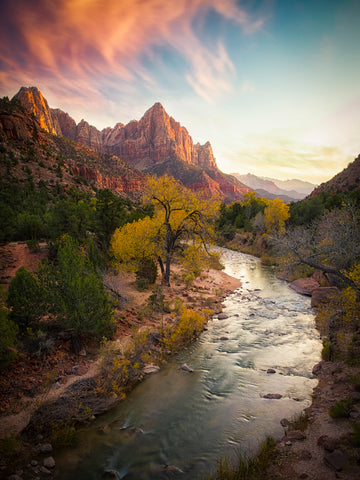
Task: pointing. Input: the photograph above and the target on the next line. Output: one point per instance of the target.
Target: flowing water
(186, 420)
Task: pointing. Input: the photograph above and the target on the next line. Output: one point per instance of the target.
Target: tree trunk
(166, 275)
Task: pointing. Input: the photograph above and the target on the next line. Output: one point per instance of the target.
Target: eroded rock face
(155, 144)
(156, 137)
(67, 125)
(18, 126)
(121, 183)
(32, 99)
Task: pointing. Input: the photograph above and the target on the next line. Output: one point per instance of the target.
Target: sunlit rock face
(32, 99)
(155, 138)
(156, 144)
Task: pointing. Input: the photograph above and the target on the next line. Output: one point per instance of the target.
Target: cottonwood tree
(181, 218)
(276, 213)
(331, 244)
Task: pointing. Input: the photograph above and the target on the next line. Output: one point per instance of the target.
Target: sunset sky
(274, 85)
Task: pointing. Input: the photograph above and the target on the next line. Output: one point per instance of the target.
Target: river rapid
(176, 420)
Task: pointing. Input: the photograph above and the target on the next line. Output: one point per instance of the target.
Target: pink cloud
(78, 43)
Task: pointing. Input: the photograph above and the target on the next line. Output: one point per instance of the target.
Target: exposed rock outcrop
(304, 286)
(156, 144)
(32, 99)
(156, 137)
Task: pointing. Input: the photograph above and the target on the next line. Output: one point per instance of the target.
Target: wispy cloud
(82, 43)
(287, 159)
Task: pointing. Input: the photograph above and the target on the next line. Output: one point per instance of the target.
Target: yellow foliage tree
(276, 213)
(180, 217)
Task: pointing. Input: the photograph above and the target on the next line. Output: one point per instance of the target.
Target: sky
(274, 85)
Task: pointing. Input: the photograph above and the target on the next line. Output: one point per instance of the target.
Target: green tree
(180, 216)
(24, 299)
(76, 293)
(8, 332)
(110, 214)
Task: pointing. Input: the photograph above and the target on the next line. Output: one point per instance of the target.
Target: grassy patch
(11, 447)
(341, 409)
(326, 350)
(248, 468)
(355, 437)
(300, 422)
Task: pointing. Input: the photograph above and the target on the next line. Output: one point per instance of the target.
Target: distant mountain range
(155, 144)
(51, 145)
(287, 190)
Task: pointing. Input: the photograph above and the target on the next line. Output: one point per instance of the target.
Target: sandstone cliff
(156, 137)
(34, 102)
(57, 160)
(155, 144)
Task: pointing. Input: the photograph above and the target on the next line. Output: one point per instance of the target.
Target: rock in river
(273, 396)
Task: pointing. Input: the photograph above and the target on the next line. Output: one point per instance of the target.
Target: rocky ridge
(55, 159)
(155, 144)
(346, 180)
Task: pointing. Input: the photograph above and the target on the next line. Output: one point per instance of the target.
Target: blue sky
(273, 85)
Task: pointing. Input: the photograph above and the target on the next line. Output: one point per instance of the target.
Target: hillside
(155, 144)
(29, 151)
(346, 180)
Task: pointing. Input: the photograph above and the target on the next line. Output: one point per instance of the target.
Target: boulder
(273, 396)
(323, 294)
(336, 460)
(45, 448)
(49, 462)
(186, 368)
(111, 475)
(317, 368)
(222, 316)
(295, 435)
(270, 370)
(304, 286)
(327, 443)
(284, 422)
(150, 369)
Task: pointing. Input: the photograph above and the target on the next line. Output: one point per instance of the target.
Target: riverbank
(328, 446)
(46, 390)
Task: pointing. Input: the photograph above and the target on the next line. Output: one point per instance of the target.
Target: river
(189, 420)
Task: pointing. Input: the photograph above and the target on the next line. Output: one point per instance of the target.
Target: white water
(190, 420)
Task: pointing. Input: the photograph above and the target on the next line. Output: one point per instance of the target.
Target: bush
(341, 409)
(76, 293)
(142, 284)
(8, 332)
(326, 350)
(24, 299)
(355, 438)
(147, 271)
(189, 326)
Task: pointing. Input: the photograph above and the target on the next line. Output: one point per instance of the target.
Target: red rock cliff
(156, 137)
(32, 99)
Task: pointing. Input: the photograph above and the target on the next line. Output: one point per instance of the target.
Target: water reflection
(178, 421)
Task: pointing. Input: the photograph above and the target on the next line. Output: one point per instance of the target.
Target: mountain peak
(154, 144)
(33, 100)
